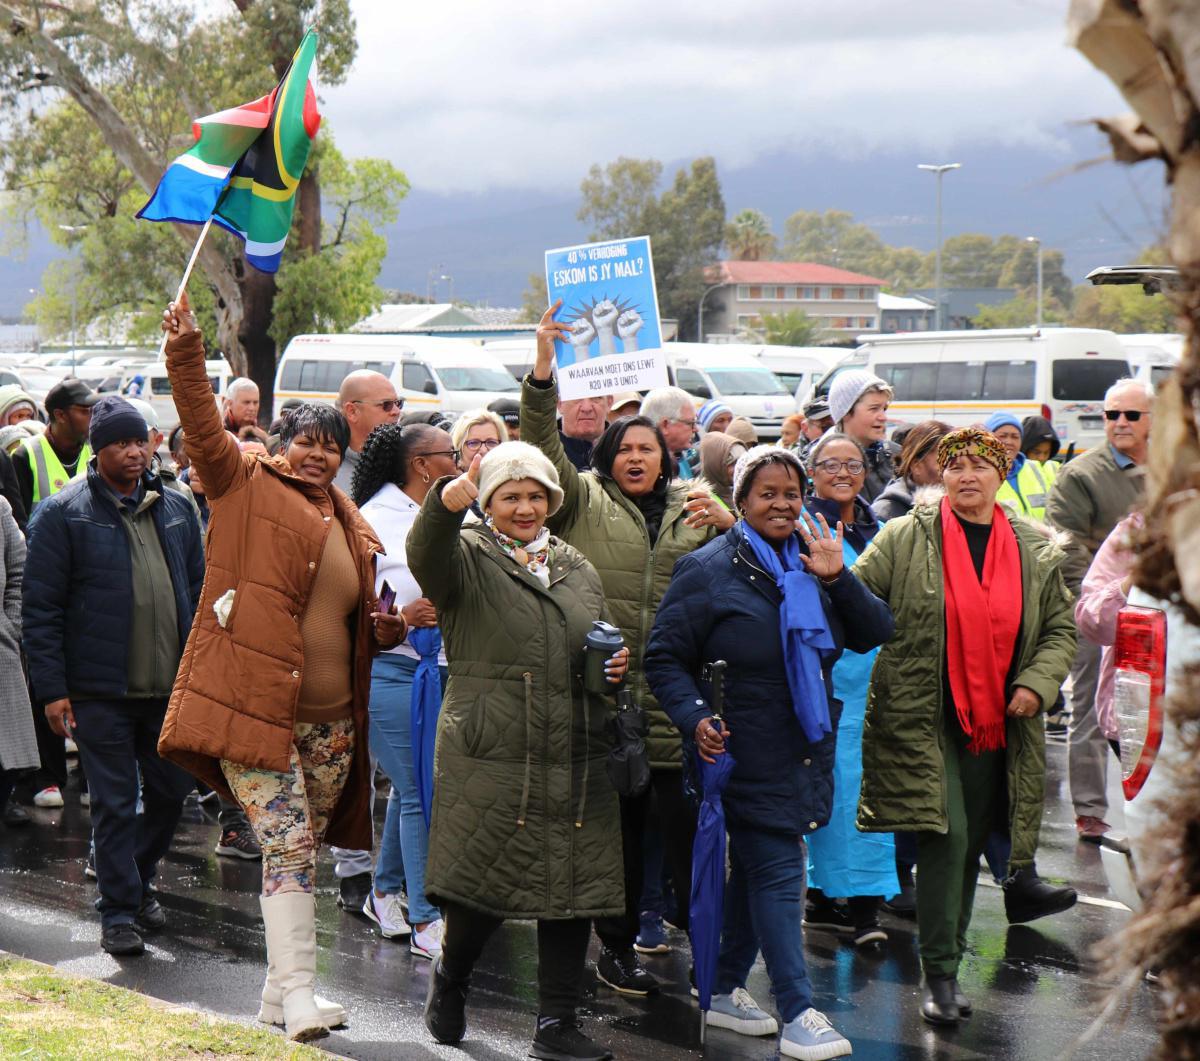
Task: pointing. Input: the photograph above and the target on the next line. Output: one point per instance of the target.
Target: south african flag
(246, 164)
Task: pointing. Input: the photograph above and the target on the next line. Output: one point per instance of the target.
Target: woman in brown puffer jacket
(270, 703)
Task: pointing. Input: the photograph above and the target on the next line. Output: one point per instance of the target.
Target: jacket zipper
(528, 748)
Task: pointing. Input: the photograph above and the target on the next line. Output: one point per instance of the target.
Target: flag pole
(187, 275)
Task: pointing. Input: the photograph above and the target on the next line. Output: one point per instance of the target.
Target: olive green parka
(525, 822)
(904, 781)
(607, 527)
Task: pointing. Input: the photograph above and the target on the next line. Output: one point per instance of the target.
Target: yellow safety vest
(49, 475)
(1028, 498)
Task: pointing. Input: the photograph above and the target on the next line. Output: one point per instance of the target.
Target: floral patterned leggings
(289, 812)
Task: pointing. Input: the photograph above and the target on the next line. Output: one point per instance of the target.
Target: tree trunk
(308, 205)
(258, 298)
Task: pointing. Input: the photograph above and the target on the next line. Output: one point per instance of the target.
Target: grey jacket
(18, 743)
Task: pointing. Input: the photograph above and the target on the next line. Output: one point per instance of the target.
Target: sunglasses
(387, 404)
(1132, 415)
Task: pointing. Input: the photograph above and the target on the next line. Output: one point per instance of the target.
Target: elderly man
(1090, 496)
(672, 411)
(583, 421)
(240, 404)
(367, 399)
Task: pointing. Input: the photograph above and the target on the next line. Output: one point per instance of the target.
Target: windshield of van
(1086, 379)
(790, 380)
(476, 378)
(740, 381)
(832, 374)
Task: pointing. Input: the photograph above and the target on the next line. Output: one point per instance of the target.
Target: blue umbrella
(708, 865)
(426, 704)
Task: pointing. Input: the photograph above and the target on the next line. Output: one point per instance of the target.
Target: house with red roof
(846, 303)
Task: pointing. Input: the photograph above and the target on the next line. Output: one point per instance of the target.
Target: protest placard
(609, 299)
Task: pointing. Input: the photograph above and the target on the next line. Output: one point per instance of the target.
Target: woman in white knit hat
(858, 403)
(525, 822)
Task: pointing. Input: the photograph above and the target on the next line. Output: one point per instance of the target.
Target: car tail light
(1140, 665)
(1047, 414)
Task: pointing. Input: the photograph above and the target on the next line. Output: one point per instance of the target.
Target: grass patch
(46, 1016)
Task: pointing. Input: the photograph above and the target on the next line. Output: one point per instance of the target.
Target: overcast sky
(466, 95)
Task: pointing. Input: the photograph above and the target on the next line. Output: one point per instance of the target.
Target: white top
(391, 514)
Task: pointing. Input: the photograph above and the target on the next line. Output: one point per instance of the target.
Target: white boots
(287, 997)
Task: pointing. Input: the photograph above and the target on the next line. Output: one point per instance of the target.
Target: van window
(960, 381)
(1085, 380)
(827, 380)
(324, 376)
(414, 376)
(1009, 380)
(693, 382)
(790, 380)
(738, 381)
(916, 382)
(477, 378)
(160, 385)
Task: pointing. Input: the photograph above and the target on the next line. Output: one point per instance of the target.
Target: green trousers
(948, 864)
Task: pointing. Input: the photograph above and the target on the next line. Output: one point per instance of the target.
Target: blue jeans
(764, 899)
(404, 846)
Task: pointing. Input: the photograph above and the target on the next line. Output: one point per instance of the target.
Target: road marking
(1088, 900)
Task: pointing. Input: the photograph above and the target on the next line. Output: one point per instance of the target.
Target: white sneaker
(811, 1037)
(385, 911)
(48, 797)
(71, 747)
(85, 798)
(738, 1012)
(427, 942)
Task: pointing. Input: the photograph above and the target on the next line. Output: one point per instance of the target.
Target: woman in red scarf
(953, 745)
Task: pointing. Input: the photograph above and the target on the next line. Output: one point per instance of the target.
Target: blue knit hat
(114, 420)
(998, 420)
(709, 411)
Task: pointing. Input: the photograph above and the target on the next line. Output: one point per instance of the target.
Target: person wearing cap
(858, 405)
(525, 822)
(1025, 488)
(112, 581)
(627, 403)
(953, 745)
(45, 464)
(509, 410)
(780, 573)
(816, 422)
(713, 415)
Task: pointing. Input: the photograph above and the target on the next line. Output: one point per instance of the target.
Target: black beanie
(114, 420)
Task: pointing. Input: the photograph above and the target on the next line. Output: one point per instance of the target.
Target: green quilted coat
(904, 781)
(525, 822)
(604, 525)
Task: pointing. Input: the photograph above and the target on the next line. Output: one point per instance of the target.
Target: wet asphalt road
(1034, 988)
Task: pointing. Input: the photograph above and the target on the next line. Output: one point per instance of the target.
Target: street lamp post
(700, 312)
(1034, 239)
(939, 171)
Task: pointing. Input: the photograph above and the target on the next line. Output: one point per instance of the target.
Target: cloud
(465, 95)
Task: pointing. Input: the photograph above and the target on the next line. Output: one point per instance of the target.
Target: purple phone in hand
(387, 598)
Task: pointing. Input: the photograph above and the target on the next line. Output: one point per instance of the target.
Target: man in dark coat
(112, 581)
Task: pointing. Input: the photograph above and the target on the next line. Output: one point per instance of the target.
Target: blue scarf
(803, 628)
(425, 706)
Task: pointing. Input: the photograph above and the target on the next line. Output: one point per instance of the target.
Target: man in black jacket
(112, 581)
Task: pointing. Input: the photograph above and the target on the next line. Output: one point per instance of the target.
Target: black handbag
(628, 763)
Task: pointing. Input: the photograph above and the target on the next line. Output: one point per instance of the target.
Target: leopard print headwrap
(977, 442)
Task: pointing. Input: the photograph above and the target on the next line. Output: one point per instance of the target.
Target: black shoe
(561, 1040)
(151, 917)
(822, 912)
(353, 892)
(870, 935)
(624, 973)
(121, 939)
(15, 814)
(239, 842)
(1028, 897)
(961, 1001)
(445, 1005)
(937, 1003)
(905, 904)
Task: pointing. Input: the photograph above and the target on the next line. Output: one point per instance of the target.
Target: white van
(517, 355)
(964, 377)
(428, 373)
(1153, 356)
(156, 388)
(732, 375)
(799, 367)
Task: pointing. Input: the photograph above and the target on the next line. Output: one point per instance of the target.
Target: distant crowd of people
(270, 618)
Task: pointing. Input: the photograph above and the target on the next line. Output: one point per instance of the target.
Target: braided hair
(385, 456)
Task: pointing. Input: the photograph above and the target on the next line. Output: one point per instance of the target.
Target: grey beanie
(750, 461)
(518, 460)
(848, 387)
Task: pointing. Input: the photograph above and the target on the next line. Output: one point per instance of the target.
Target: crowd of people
(272, 618)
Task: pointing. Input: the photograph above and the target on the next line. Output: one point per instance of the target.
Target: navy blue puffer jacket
(78, 591)
(722, 605)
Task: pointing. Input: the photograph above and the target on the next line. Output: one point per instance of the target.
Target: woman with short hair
(985, 636)
(270, 703)
(479, 431)
(525, 822)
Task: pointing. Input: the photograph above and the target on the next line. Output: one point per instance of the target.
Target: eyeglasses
(388, 405)
(1132, 415)
(472, 445)
(437, 453)
(686, 423)
(832, 467)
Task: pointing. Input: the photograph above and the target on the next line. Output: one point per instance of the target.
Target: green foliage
(793, 328)
(1124, 309)
(1020, 312)
(618, 199)
(835, 238)
(1020, 271)
(748, 237)
(534, 299)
